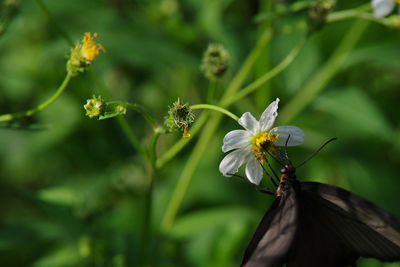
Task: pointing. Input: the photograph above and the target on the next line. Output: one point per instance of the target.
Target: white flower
(383, 7)
(249, 145)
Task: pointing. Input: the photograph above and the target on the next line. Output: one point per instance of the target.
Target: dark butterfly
(313, 224)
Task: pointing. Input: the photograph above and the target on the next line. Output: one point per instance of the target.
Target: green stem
(28, 113)
(145, 115)
(145, 244)
(354, 14)
(349, 13)
(264, 61)
(270, 74)
(54, 22)
(208, 132)
(320, 79)
(216, 108)
(141, 110)
(361, 12)
(211, 91)
(240, 77)
(152, 148)
(131, 136)
(178, 146)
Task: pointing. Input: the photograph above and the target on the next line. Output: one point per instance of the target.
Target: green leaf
(67, 255)
(357, 113)
(59, 195)
(377, 54)
(196, 222)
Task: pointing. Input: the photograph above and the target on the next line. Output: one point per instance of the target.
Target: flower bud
(180, 118)
(215, 61)
(393, 21)
(94, 107)
(319, 9)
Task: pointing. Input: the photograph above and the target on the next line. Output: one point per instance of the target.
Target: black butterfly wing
(275, 233)
(315, 244)
(359, 226)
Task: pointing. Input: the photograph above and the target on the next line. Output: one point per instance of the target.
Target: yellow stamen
(263, 143)
(398, 2)
(89, 48)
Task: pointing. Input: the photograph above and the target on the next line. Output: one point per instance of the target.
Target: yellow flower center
(398, 2)
(263, 143)
(89, 48)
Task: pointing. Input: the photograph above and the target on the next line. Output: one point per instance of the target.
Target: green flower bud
(215, 61)
(393, 21)
(180, 118)
(94, 107)
(120, 109)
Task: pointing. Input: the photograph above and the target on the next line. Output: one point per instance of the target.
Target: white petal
(249, 123)
(236, 139)
(254, 171)
(296, 135)
(382, 7)
(268, 117)
(231, 162)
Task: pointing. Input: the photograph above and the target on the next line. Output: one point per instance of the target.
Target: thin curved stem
(145, 115)
(152, 148)
(240, 77)
(321, 78)
(354, 14)
(216, 108)
(45, 104)
(133, 140)
(142, 111)
(211, 91)
(270, 74)
(362, 11)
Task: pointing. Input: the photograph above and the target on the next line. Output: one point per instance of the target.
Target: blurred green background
(73, 191)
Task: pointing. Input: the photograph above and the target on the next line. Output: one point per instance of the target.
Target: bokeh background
(73, 189)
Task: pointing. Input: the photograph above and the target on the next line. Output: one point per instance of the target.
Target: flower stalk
(40, 107)
(216, 108)
(321, 78)
(268, 75)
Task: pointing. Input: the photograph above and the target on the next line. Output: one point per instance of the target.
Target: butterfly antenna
(273, 172)
(280, 157)
(316, 152)
(266, 173)
(270, 167)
